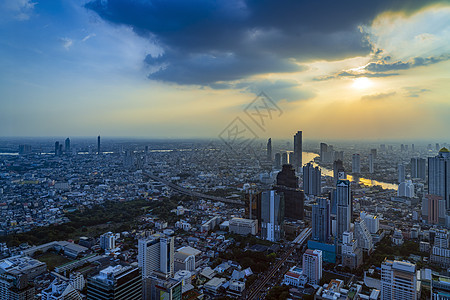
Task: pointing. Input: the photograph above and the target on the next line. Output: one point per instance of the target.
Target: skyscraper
(108, 241)
(298, 162)
(67, 146)
(398, 280)
(156, 254)
(269, 149)
(338, 170)
(439, 176)
(272, 215)
(374, 153)
(356, 163)
(321, 222)
(344, 210)
(287, 184)
(277, 161)
(312, 265)
(56, 148)
(418, 168)
(98, 145)
(371, 167)
(401, 173)
(312, 180)
(284, 158)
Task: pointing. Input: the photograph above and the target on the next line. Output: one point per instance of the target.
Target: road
(254, 290)
(188, 192)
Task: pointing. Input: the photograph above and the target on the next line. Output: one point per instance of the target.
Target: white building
(60, 290)
(243, 226)
(108, 241)
(372, 222)
(406, 189)
(398, 280)
(362, 235)
(312, 265)
(156, 254)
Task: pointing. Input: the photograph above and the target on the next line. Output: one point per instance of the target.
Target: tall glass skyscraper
(439, 175)
(298, 161)
(321, 224)
(344, 209)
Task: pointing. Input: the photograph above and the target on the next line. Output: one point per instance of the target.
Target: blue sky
(187, 68)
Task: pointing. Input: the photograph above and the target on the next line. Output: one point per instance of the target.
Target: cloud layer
(206, 42)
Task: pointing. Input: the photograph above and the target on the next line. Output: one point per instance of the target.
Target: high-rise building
(398, 280)
(115, 283)
(287, 184)
(351, 254)
(291, 157)
(108, 241)
(67, 147)
(312, 180)
(371, 163)
(321, 222)
(372, 222)
(298, 162)
(406, 189)
(156, 254)
(437, 147)
(272, 215)
(312, 265)
(323, 150)
(98, 145)
(338, 170)
(56, 148)
(374, 153)
(269, 149)
(284, 158)
(277, 161)
(418, 168)
(356, 163)
(433, 209)
(344, 209)
(439, 176)
(401, 173)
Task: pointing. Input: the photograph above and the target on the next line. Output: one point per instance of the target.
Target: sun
(361, 83)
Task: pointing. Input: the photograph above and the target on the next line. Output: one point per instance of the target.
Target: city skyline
(72, 69)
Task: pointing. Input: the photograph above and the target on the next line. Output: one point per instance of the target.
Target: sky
(350, 70)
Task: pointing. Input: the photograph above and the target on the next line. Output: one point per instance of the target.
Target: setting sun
(361, 83)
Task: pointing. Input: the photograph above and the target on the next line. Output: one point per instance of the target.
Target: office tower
(401, 173)
(418, 168)
(277, 161)
(323, 150)
(312, 265)
(115, 283)
(98, 145)
(338, 170)
(321, 222)
(56, 148)
(371, 168)
(287, 184)
(339, 155)
(14, 285)
(146, 150)
(108, 241)
(269, 149)
(363, 236)
(439, 176)
(374, 153)
(398, 280)
(291, 158)
(312, 180)
(356, 163)
(67, 146)
(406, 189)
(155, 254)
(433, 210)
(284, 158)
(272, 216)
(344, 211)
(298, 162)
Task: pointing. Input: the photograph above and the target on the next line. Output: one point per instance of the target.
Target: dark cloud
(383, 66)
(378, 96)
(209, 41)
